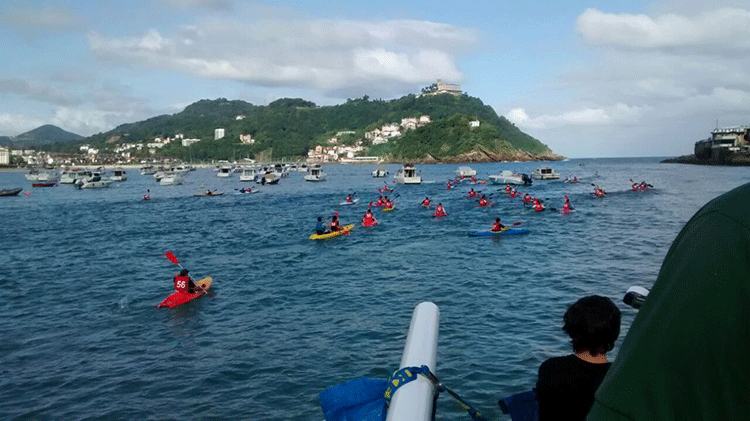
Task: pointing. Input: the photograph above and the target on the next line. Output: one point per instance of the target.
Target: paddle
(172, 258)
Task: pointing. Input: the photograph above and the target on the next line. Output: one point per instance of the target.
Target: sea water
(83, 270)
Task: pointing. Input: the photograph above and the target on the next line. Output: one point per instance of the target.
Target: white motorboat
(36, 175)
(407, 175)
(544, 173)
(68, 176)
(94, 182)
(315, 173)
(380, 172)
(118, 175)
(248, 174)
(225, 171)
(147, 169)
(170, 179)
(268, 177)
(462, 172)
(509, 177)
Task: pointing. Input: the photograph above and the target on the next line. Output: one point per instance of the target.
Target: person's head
(593, 324)
(320, 219)
(184, 272)
(497, 219)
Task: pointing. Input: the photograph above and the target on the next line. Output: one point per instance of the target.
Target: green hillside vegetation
(289, 127)
(450, 137)
(43, 136)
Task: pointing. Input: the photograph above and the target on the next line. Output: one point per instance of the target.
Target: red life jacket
(483, 202)
(496, 226)
(439, 210)
(426, 202)
(512, 193)
(566, 206)
(182, 283)
(538, 207)
(527, 198)
(334, 224)
(472, 193)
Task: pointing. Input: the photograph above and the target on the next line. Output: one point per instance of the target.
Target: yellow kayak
(344, 230)
(391, 209)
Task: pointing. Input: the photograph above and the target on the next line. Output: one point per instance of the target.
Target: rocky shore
(731, 160)
(482, 154)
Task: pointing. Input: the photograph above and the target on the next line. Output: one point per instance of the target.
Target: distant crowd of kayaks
(532, 203)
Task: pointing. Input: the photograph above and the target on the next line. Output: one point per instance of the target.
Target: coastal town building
(724, 142)
(218, 134)
(188, 142)
(4, 156)
(474, 123)
(247, 139)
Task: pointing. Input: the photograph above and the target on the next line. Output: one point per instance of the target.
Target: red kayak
(369, 223)
(487, 205)
(436, 215)
(179, 298)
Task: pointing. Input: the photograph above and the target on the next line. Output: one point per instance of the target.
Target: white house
(218, 134)
(474, 123)
(247, 139)
(4, 156)
(188, 142)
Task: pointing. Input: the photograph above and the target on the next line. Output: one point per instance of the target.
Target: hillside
(290, 127)
(43, 135)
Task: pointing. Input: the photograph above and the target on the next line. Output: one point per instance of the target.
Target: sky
(587, 78)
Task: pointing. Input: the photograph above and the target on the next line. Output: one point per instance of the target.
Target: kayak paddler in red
(472, 193)
(566, 205)
(335, 222)
(483, 201)
(538, 205)
(508, 188)
(439, 211)
(183, 283)
(448, 187)
(526, 198)
(368, 219)
(349, 199)
(426, 202)
(497, 226)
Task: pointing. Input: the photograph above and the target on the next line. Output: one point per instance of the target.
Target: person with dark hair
(320, 227)
(566, 385)
(183, 282)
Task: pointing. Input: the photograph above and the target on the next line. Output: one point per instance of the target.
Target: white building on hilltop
(218, 134)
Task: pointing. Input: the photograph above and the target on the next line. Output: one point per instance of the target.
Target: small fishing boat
(315, 173)
(95, 182)
(463, 172)
(118, 175)
(248, 174)
(10, 192)
(147, 170)
(545, 173)
(509, 177)
(407, 175)
(44, 184)
(380, 172)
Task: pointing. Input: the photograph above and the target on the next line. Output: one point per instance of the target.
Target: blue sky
(589, 79)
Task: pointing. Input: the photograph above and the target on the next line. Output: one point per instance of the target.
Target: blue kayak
(509, 231)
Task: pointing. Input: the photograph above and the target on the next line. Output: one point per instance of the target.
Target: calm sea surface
(82, 272)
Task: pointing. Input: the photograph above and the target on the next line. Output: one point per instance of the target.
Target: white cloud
(721, 30)
(15, 124)
(34, 22)
(325, 55)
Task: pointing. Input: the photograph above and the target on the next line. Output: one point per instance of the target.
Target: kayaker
(147, 196)
(512, 193)
(566, 385)
(368, 219)
(379, 202)
(566, 205)
(497, 226)
(472, 193)
(526, 198)
(439, 211)
(426, 202)
(335, 222)
(388, 203)
(483, 201)
(349, 198)
(208, 193)
(448, 187)
(183, 283)
(320, 227)
(508, 188)
(538, 205)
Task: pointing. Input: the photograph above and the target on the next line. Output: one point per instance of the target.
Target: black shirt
(566, 387)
